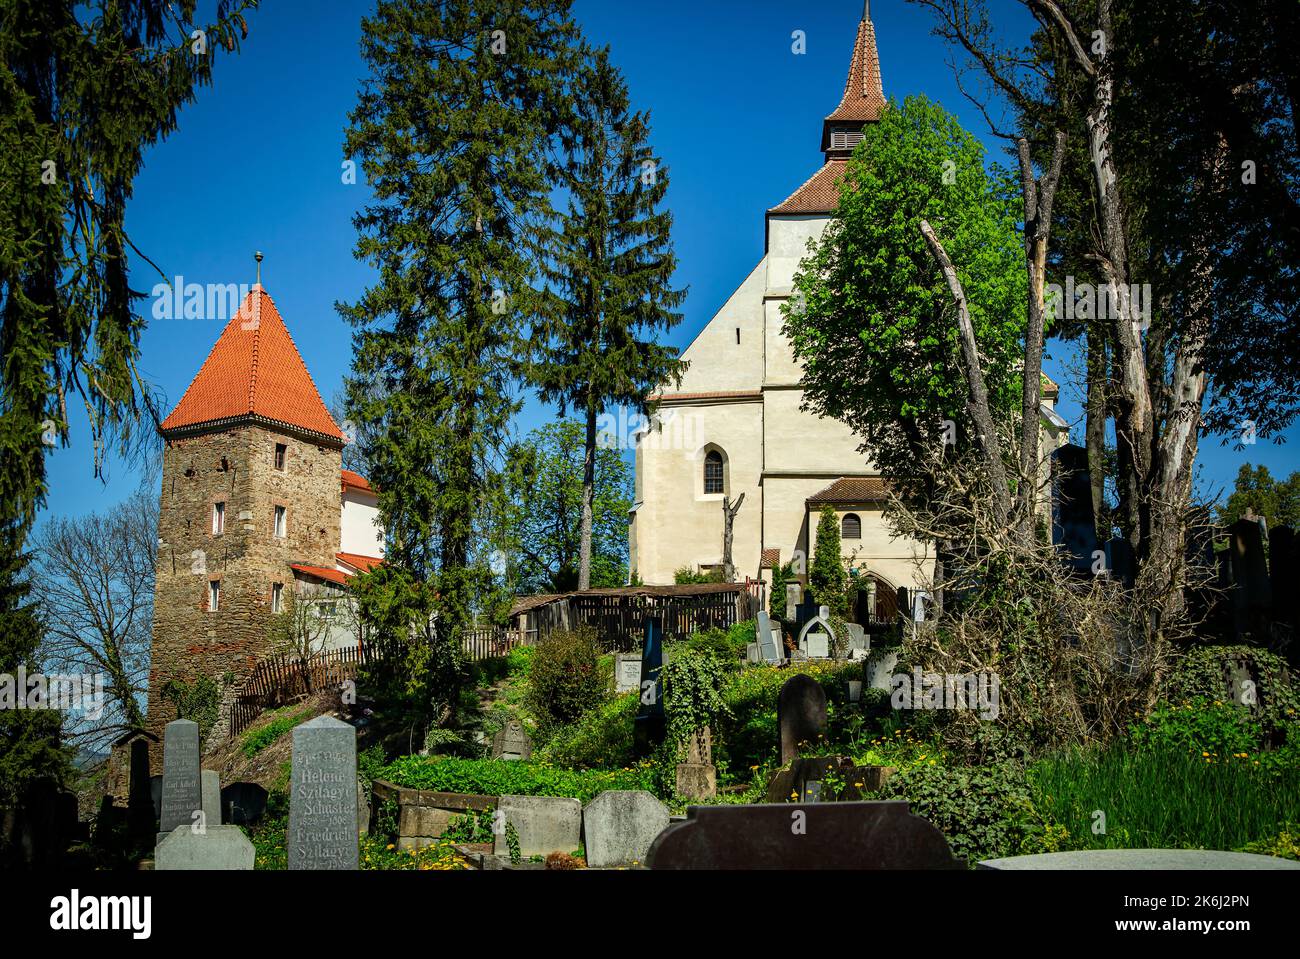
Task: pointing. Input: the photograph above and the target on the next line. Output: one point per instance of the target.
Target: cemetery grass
(1169, 797)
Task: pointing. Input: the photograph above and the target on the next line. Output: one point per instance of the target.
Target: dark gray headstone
(242, 804)
(769, 646)
(841, 835)
(800, 714)
(1250, 595)
(182, 794)
(323, 828)
(1074, 528)
(512, 742)
(650, 723)
(211, 790)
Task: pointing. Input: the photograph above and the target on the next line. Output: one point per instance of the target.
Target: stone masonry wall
(237, 467)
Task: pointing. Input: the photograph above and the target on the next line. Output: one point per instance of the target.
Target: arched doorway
(876, 602)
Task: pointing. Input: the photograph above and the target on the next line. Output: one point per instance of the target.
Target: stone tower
(250, 487)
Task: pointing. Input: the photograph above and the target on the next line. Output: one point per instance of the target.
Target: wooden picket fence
(488, 642)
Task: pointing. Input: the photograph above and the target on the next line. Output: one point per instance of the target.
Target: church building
(734, 424)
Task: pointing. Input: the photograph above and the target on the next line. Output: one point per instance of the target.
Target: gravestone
(627, 672)
(210, 781)
(769, 646)
(512, 742)
(1074, 528)
(618, 827)
(141, 817)
(650, 722)
(545, 824)
(858, 640)
(1284, 576)
(242, 804)
(817, 639)
(215, 848)
(323, 796)
(805, 611)
(800, 714)
(842, 835)
(1250, 594)
(182, 794)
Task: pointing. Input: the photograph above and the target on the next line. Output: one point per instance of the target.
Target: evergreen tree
(452, 129)
(828, 578)
(545, 522)
(609, 270)
(776, 602)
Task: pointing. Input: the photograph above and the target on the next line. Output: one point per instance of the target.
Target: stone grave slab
(801, 714)
(215, 848)
(545, 824)
(323, 828)
(619, 825)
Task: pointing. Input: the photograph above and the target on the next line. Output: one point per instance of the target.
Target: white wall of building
(361, 533)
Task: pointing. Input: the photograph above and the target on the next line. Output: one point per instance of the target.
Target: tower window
(737, 336)
(713, 472)
(851, 526)
(218, 518)
(214, 596)
(280, 523)
(281, 452)
(277, 597)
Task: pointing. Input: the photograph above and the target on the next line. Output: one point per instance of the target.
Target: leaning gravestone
(800, 714)
(845, 835)
(618, 827)
(215, 848)
(768, 645)
(182, 794)
(650, 723)
(545, 824)
(323, 796)
(211, 790)
(512, 742)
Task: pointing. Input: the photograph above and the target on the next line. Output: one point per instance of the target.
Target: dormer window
(844, 138)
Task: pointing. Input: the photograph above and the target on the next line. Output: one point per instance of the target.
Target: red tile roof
(771, 558)
(864, 95)
(819, 194)
(254, 370)
(848, 490)
(323, 572)
(356, 481)
(363, 563)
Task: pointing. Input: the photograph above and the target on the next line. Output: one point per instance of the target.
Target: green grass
(1164, 798)
(495, 777)
(255, 740)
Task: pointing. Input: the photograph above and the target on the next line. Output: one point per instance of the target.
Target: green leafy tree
(452, 128)
(827, 577)
(609, 272)
(545, 513)
(871, 317)
(1278, 501)
(776, 602)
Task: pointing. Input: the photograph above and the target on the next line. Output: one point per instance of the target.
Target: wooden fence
(487, 642)
(286, 677)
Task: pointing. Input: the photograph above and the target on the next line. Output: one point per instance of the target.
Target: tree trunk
(977, 402)
(588, 497)
(1095, 427)
(728, 520)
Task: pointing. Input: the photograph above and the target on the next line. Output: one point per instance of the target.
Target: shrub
(602, 738)
(1285, 845)
(565, 679)
(693, 684)
(1204, 673)
(470, 827)
(689, 577)
(985, 812)
(258, 738)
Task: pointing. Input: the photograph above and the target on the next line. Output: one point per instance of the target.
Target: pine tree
(828, 578)
(452, 130)
(609, 270)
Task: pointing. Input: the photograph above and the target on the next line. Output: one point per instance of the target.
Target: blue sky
(256, 165)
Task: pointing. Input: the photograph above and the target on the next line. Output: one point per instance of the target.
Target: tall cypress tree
(609, 269)
(453, 129)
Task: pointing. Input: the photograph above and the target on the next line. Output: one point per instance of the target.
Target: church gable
(727, 355)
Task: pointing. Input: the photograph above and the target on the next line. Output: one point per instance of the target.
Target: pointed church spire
(863, 98)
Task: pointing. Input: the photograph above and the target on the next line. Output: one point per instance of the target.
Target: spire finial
(866, 9)
(258, 257)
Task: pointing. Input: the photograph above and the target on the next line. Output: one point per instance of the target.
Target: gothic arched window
(851, 527)
(713, 472)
